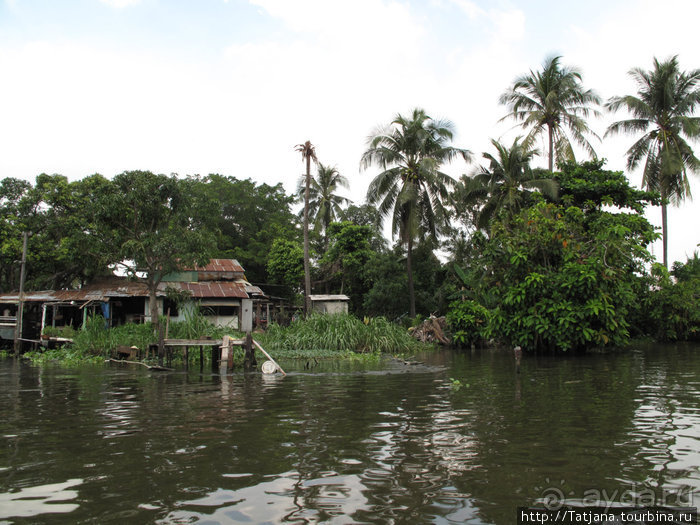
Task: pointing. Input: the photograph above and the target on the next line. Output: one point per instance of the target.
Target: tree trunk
(551, 148)
(409, 270)
(307, 271)
(153, 306)
(664, 229)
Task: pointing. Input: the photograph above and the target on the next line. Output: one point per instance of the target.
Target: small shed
(329, 304)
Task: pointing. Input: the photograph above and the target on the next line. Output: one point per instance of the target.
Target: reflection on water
(349, 443)
(34, 501)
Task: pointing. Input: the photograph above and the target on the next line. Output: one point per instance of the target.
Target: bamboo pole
(269, 357)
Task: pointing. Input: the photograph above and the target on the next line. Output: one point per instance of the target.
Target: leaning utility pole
(20, 301)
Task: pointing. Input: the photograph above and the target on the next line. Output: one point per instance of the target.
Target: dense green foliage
(671, 310)
(285, 266)
(560, 276)
(59, 217)
(246, 218)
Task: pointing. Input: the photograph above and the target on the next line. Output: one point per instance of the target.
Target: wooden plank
(192, 342)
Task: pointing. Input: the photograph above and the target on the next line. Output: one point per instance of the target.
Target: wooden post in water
(518, 352)
(20, 298)
(215, 357)
(225, 346)
(249, 361)
(161, 346)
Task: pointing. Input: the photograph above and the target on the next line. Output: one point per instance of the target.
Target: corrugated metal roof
(98, 291)
(218, 265)
(121, 288)
(215, 289)
(329, 297)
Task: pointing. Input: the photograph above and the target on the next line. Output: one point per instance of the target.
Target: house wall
(217, 318)
(330, 307)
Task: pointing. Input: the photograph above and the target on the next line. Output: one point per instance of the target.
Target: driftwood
(150, 367)
(432, 330)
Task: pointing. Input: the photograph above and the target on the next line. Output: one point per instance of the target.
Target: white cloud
(471, 9)
(119, 4)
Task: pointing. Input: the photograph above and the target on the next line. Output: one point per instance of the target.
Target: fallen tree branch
(150, 367)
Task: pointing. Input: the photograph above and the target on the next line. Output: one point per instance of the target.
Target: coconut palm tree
(663, 111)
(506, 183)
(411, 188)
(308, 153)
(553, 101)
(324, 204)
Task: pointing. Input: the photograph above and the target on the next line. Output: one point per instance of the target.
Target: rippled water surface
(348, 442)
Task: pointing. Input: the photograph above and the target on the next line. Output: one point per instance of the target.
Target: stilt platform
(221, 351)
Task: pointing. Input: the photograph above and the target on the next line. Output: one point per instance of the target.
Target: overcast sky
(230, 86)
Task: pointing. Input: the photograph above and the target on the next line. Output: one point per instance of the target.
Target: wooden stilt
(249, 361)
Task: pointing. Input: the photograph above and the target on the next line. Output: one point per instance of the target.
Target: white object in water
(268, 367)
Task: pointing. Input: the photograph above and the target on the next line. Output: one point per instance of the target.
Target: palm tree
(553, 100)
(662, 110)
(411, 188)
(324, 204)
(506, 183)
(308, 153)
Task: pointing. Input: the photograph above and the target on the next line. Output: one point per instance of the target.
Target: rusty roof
(215, 289)
(115, 288)
(218, 265)
(98, 291)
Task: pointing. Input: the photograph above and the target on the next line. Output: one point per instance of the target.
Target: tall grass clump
(195, 325)
(340, 334)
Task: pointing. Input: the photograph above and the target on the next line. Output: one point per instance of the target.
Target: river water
(350, 442)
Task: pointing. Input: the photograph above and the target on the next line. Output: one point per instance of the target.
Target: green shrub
(673, 309)
(468, 321)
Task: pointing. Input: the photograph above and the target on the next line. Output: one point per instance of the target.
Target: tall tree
(308, 153)
(411, 188)
(247, 218)
(553, 101)
(324, 204)
(663, 111)
(149, 224)
(58, 215)
(506, 183)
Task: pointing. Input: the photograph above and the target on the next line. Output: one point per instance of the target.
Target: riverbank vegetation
(318, 336)
(340, 334)
(550, 259)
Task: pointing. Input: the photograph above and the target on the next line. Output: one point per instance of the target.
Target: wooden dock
(221, 351)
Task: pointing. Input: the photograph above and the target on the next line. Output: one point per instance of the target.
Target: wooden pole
(20, 298)
(269, 357)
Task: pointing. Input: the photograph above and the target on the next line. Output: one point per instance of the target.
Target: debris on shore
(432, 330)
